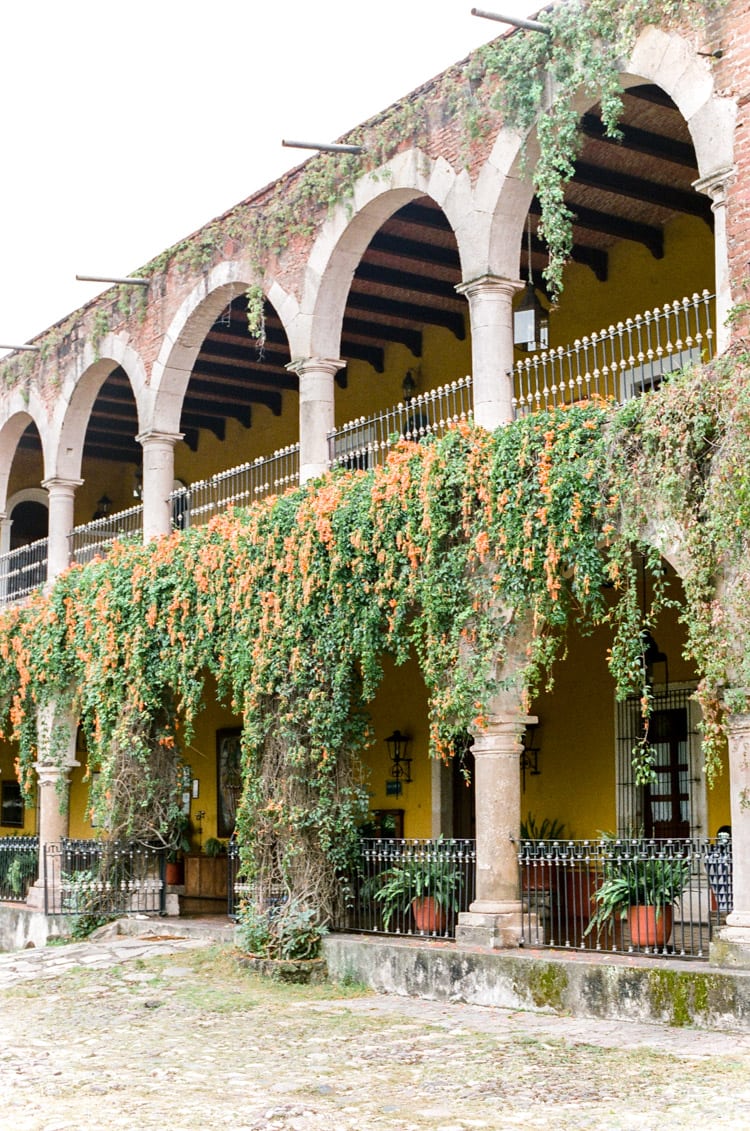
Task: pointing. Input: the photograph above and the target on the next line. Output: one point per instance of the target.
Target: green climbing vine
(543, 77)
(453, 550)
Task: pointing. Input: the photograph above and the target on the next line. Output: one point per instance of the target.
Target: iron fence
(562, 884)
(390, 889)
(619, 362)
(19, 867)
(238, 486)
(93, 539)
(102, 878)
(363, 443)
(23, 570)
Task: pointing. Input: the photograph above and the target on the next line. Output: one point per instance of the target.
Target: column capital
(489, 284)
(502, 735)
(50, 773)
(304, 365)
(152, 436)
(715, 185)
(59, 485)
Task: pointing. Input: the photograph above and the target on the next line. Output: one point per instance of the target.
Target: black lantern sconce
(102, 507)
(408, 387)
(398, 745)
(529, 754)
(530, 319)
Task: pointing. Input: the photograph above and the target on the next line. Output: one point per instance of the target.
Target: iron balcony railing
(94, 538)
(103, 879)
(365, 442)
(22, 571)
(238, 487)
(19, 867)
(419, 874)
(559, 882)
(619, 362)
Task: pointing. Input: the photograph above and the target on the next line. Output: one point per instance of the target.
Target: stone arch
(27, 495)
(19, 414)
(183, 339)
(73, 410)
(343, 240)
(670, 62)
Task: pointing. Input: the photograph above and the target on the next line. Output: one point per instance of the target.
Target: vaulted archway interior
(403, 315)
(642, 235)
(240, 402)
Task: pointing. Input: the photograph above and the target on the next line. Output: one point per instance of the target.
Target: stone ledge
(581, 984)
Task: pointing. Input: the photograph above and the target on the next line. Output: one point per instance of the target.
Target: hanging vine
(544, 76)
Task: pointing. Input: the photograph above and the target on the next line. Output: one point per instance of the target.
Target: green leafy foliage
(465, 552)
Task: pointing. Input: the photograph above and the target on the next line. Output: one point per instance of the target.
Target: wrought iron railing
(19, 867)
(560, 880)
(93, 539)
(23, 570)
(364, 442)
(619, 362)
(443, 870)
(239, 487)
(103, 879)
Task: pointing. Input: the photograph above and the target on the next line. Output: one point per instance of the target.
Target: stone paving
(148, 1032)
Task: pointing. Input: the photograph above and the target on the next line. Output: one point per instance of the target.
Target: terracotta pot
(429, 916)
(650, 926)
(174, 872)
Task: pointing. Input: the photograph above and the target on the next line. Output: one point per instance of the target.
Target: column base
(35, 896)
(731, 947)
(493, 926)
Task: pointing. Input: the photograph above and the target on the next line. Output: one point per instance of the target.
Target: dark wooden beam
(405, 281)
(226, 394)
(405, 248)
(638, 188)
(408, 312)
(359, 328)
(642, 141)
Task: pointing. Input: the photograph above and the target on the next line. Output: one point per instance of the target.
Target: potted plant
(215, 847)
(283, 940)
(537, 855)
(643, 890)
(425, 882)
(178, 843)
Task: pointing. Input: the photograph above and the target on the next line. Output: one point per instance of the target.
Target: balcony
(615, 364)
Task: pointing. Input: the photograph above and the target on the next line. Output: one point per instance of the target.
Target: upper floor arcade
(290, 335)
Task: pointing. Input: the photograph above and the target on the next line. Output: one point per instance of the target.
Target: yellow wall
(401, 704)
(8, 755)
(636, 281)
(576, 735)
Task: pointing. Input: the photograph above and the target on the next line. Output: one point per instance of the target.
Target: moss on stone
(547, 983)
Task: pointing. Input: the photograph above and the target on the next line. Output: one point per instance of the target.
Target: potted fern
(643, 890)
(424, 882)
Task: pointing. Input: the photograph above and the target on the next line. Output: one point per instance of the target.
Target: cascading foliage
(444, 552)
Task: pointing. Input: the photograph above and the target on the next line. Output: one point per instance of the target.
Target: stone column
(732, 947)
(715, 186)
(61, 494)
(316, 417)
(56, 759)
(491, 315)
(158, 482)
(494, 918)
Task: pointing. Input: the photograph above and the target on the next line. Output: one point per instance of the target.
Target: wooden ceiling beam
(642, 141)
(639, 188)
(408, 312)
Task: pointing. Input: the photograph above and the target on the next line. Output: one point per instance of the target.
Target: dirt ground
(190, 1040)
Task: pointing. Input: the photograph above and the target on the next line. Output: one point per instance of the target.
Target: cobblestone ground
(176, 1035)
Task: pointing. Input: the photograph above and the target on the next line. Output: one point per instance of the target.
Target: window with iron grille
(674, 805)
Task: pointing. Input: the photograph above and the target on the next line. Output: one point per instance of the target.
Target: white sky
(124, 127)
